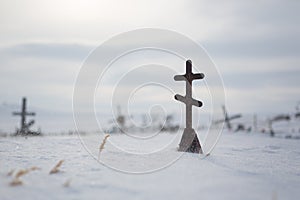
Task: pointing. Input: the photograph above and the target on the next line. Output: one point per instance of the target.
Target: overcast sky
(255, 44)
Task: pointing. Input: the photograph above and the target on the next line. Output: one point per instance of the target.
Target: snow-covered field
(242, 166)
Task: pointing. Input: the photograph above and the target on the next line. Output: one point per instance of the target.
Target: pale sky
(255, 44)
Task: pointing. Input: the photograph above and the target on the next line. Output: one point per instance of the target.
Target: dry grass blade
(16, 182)
(34, 168)
(103, 142)
(102, 145)
(21, 172)
(56, 167)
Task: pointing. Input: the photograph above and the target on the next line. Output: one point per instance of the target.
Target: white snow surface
(242, 166)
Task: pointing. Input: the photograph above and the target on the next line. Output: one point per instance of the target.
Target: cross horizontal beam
(21, 113)
(281, 118)
(228, 119)
(234, 117)
(189, 78)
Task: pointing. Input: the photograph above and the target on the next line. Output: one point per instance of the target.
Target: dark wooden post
(189, 141)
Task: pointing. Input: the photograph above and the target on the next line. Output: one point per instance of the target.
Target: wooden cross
(277, 118)
(24, 129)
(189, 141)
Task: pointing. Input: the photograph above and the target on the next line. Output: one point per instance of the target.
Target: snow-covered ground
(242, 166)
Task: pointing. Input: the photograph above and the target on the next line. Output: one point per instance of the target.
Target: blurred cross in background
(227, 119)
(24, 128)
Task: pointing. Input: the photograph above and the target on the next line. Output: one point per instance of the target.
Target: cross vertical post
(23, 114)
(189, 141)
(227, 119)
(188, 88)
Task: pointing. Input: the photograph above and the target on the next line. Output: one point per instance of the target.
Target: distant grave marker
(121, 120)
(24, 127)
(277, 118)
(227, 119)
(189, 141)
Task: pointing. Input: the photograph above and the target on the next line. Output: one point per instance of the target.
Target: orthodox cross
(24, 129)
(189, 141)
